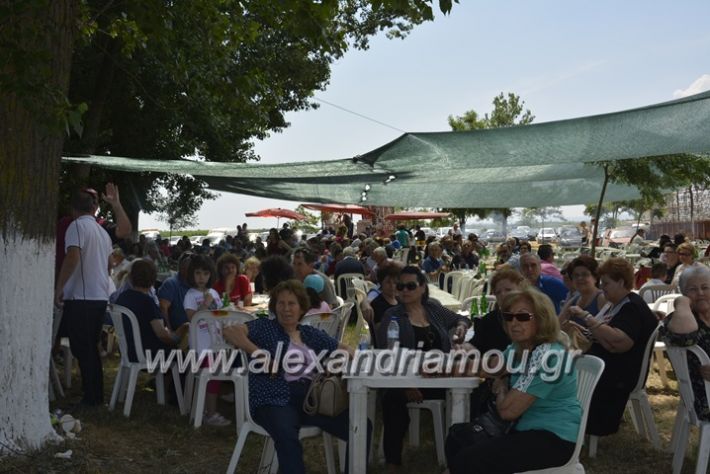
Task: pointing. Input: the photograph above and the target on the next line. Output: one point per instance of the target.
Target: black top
(470, 262)
(621, 371)
(380, 305)
(427, 337)
(488, 333)
(441, 320)
(146, 311)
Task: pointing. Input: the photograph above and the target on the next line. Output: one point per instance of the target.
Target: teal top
(543, 375)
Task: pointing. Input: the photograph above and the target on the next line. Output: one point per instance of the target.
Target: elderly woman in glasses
(541, 395)
(689, 324)
(686, 256)
(423, 324)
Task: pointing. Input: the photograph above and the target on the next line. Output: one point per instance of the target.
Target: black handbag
(487, 425)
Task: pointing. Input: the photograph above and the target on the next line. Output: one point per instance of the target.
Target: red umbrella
(346, 208)
(277, 212)
(412, 216)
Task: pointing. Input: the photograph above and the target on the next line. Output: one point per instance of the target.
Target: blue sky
(564, 58)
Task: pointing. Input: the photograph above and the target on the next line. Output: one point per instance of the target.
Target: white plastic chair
(686, 411)
(436, 407)
(466, 305)
(124, 387)
(638, 404)
(345, 282)
(343, 311)
(269, 462)
(328, 322)
(470, 287)
(589, 371)
(667, 302)
(197, 391)
(656, 291)
(450, 279)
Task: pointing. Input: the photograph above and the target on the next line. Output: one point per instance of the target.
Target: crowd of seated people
(592, 300)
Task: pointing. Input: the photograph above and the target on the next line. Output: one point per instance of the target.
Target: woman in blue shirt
(276, 398)
(538, 392)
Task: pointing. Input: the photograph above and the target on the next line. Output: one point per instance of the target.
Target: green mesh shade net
(538, 165)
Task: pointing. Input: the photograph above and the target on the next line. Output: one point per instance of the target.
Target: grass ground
(158, 439)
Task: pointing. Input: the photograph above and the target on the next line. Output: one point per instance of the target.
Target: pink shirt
(294, 371)
(550, 269)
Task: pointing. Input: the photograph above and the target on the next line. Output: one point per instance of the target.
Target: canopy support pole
(595, 229)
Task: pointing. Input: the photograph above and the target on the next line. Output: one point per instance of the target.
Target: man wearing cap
(82, 289)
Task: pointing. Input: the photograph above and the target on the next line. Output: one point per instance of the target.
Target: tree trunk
(30, 150)
(599, 209)
(692, 213)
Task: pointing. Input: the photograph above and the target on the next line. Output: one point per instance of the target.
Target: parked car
(175, 239)
(546, 235)
(150, 234)
(521, 234)
(197, 239)
(620, 237)
(493, 236)
(570, 237)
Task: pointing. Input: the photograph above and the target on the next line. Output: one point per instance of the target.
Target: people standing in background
(83, 288)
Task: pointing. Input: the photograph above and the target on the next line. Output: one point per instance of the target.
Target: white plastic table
(446, 299)
(359, 386)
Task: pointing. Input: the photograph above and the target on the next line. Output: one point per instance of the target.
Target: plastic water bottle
(364, 343)
(393, 332)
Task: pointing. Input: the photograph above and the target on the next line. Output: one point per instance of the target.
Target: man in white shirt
(83, 288)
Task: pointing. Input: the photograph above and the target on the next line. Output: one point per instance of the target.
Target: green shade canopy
(546, 164)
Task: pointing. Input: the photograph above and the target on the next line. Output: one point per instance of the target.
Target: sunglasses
(410, 286)
(522, 317)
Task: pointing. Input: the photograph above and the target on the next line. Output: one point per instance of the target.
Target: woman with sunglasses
(423, 324)
(540, 395)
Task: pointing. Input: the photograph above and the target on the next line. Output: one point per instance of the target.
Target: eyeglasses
(522, 316)
(410, 286)
(684, 254)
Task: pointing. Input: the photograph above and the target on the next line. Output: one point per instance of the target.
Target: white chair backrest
(450, 279)
(668, 301)
(656, 291)
(343, 311)
(490, 299)
(471, 287)
(125, 331)
(344, 283)
(645, 362)
(359, 285)
(679, 361)
(456, 286)
(206, 328)
(328, 322)
(589, 371)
